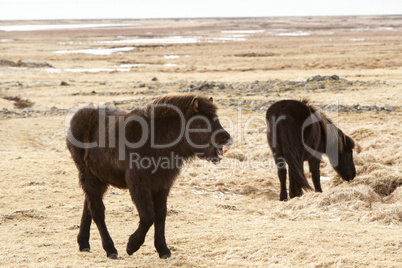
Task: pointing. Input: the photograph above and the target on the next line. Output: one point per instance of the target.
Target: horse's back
(298, 110)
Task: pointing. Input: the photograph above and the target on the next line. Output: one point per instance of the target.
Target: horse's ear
(211, 99)
(194, 103)
(350, 142)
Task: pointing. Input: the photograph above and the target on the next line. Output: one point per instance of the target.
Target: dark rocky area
(237, 95)
(25, 63)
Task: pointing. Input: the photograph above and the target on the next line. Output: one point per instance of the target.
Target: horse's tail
(78, 137)
(82, 124)
(292, 150)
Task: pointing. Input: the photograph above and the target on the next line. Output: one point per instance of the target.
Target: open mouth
(221, 150)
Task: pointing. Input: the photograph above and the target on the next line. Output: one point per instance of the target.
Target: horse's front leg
(160, 207)
(142, 199)
(314, 165)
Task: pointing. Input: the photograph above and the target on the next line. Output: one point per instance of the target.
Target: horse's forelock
(335, 135)
(344, 142)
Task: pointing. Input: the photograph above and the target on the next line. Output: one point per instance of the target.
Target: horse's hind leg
(160, 202)
(93, 205)
(142, 199)
(282, 177)
(83, 235)
(94, 190)
(314, 165)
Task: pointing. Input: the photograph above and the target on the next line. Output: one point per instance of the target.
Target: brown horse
(142, 150)
(297, 132)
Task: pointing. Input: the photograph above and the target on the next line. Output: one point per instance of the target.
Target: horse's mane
(188, 104)
(335, 136)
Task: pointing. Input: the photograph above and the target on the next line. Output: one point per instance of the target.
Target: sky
(133, 9)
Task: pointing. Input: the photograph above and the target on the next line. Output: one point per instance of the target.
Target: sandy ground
(226, 215)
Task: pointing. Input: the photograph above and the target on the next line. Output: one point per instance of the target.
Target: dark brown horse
(297, 132)
(142, 150)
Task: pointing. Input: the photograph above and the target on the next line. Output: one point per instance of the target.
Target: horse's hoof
(85, 250)
(129, 251)
(283, 197)
(113, 256)
(165, 256)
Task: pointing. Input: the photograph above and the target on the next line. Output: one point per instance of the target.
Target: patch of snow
(92, 70)
(15, 28)
(322, 178)
(243, 31)
(97, 51)
(171, 56)
(127, 65)
(293, 34)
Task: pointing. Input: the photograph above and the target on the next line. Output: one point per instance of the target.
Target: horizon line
(197, 18)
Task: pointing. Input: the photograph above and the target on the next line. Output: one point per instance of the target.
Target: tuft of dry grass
(236, 154)
(382, 185)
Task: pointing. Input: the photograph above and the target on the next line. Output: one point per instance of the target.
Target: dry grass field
(225, 215)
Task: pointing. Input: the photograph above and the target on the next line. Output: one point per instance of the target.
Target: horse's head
(204, 133)
(194, 119)
(345, 166)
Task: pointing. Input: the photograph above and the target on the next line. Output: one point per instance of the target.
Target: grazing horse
(142, 150)
(297, 132)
